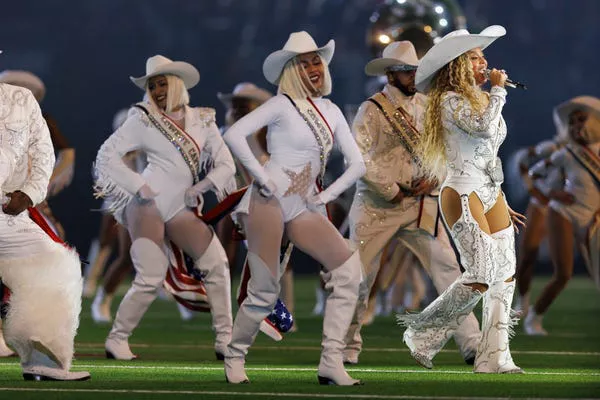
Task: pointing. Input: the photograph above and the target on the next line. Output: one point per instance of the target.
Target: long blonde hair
(456, 76)
(291, 82)
(177, 94)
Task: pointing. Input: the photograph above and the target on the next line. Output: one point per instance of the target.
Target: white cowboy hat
(451, 46)
(298, 43)
(159, 65)
(245, 90)
(25, 79)
(562, 111)
(401, 56)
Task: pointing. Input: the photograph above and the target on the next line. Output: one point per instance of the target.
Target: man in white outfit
(392, 201)
(44, 276)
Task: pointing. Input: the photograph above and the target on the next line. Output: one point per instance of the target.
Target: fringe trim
(116, 197)
(513, 321)
(406, 320)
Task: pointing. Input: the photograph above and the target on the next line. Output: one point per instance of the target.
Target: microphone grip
(508, 82)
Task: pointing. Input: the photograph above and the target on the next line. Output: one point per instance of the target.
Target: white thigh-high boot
(151, 265)
(214, 267)
(5, 351)
(342, 285)
(428, 331)
(43, 313)
(493, 354)
(263, 290)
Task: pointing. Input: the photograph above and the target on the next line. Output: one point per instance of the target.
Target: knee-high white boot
(493, 353)
(214, 267)
(151, 265)
(45, 303)
(342, 285)
(263, 290)
(428, 331)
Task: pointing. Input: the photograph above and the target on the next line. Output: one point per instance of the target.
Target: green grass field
(177, 361)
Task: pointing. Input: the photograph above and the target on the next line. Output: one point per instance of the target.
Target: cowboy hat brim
(563, 110)
(448, 49)
(274, 63)
(378, 66)
(187, 72)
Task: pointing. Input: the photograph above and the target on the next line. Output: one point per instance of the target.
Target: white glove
(60, 181)
(268, 189)
(145, 194)
(315, 203)
(194, 196)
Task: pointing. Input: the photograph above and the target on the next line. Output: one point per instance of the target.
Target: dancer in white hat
(464, 130)
(574, 206)
(302, 126)
(393, 200)
(180, 142)
(44, 276)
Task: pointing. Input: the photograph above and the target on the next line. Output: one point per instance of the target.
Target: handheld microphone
(509, 82)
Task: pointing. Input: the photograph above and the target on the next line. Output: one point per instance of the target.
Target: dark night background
(85, 51)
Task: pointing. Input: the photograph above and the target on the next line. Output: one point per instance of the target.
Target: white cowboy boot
(342, 284)
(263, 290)
(151, 264)
(428, 331)
(493, 354)
(101, 307)
(533, 323)
(214, 267)
(40, 367)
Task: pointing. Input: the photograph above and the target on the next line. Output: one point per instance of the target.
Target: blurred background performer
(574, 207)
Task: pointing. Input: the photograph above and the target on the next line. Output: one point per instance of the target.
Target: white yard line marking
(85, 345)
(136, 366)
(261, 394)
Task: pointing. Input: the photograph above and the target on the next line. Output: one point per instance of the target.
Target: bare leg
(561, 251)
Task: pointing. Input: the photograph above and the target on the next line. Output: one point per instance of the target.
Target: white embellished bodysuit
(295, 155)
(472, 143)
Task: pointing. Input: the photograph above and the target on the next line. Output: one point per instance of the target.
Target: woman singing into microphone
(465, 129)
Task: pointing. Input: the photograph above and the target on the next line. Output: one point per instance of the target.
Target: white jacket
(27, 155)
(166, 173)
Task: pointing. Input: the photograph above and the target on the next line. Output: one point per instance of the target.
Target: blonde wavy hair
(177, 94)
(456, 76)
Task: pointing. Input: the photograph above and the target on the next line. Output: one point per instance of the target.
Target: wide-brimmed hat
(401, 56)
(25, 79)
(245, 90)
(562, 111)
(297, 43)
(159, 65)
(451, 46)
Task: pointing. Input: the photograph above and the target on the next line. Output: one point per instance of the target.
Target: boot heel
(325, 381)
(110, 355)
